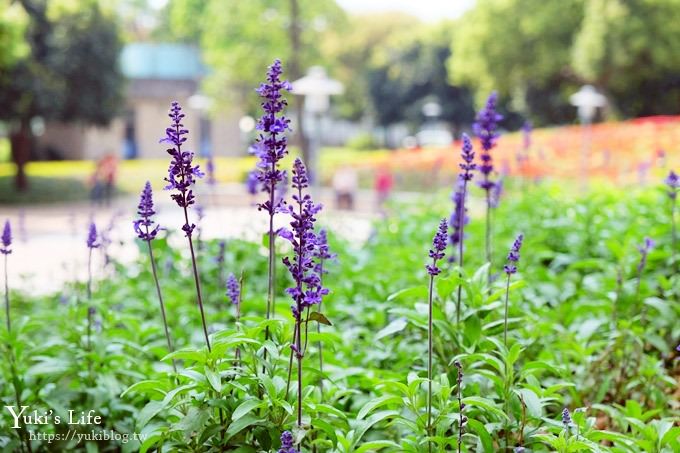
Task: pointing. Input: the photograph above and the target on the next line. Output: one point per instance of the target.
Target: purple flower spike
(513, 256)
(272, 145)
(145, 212)
(92, 236)
(673, 183)
(287, 443)
(486, 128)
(439, 243)
(182, 173)
(644, 252)
(468, 165)
(252, 182)
(566, 418)
(459, 218)
(6, 239)
(233, 289)
(308, 289)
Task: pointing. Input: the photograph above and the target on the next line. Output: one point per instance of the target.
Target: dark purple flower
(439, 243)
(566, 418)
(468, 165)
(513, 256)
(673, 183)
(233, 289)
(145, 212)
(222, 246)
(272, 145)
(181, 173)
(677, 348)
(287, 443)
(308, 289)
(92, 236)
(6, 239)
(322, 252)
(458, 219)
(485, 128)
(644, 252)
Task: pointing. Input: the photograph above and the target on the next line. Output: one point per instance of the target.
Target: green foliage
(537, 53)
(565, 346)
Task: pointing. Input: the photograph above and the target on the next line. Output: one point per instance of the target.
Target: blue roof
(161, 61)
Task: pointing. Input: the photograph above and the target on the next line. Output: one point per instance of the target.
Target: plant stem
(197, 281)
(9, 323)
(290, 360)
(89, 311)
(674, 237)
(461, 220)
(299, 374)
(460, 410)
(505, 322)
(271, 272)
(160, 301)
(488, 234)
(318, 330)
(429, 363)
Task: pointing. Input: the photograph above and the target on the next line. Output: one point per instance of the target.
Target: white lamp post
(316, 88)
(587, 100)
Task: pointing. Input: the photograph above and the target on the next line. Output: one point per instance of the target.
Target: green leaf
(395, 326)
(214, 379)
(320, 318)
(245, 408)
(377, 402)
(532, 402)
(238, 425)
(488, 405)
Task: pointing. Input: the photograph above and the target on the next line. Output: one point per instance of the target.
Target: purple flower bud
(513, 256)
(486, 128)
(644, 252)
(468, 165)
(233, 289)
(210, 170)
(566, 418)
(6, 239)
(439, 243)
(287, 443)
(252, 182)
(145, 212)
(673, 183)
(92, 236)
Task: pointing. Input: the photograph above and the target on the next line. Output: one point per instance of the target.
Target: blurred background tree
(69, 71)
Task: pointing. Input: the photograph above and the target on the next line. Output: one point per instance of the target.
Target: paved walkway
(49, 240)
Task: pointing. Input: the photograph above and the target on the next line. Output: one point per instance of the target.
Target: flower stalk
(181, 177)
(510, 268)
(439, 244)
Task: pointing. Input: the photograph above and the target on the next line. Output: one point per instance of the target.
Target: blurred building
(157, 74)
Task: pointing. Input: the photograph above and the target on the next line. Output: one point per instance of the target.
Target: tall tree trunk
(20, 143)
(295, 72)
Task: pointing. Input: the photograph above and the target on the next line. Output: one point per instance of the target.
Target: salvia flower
(644, 249)
(92, 236)
(439, 243)
(458, 219)
(253, 182)
(233, 289)
(468, 155)
(6, 239)
(322, 252)
(496, 193)
(485, 128)
(673, 183)
(145, 211)
(566, 418)
(182, 173)
(287, 443)
(513, 256)
(272, 145)
(308, 290)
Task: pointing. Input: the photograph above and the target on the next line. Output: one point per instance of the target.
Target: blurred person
(345, 183)
(383, 186)
(103, 180)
